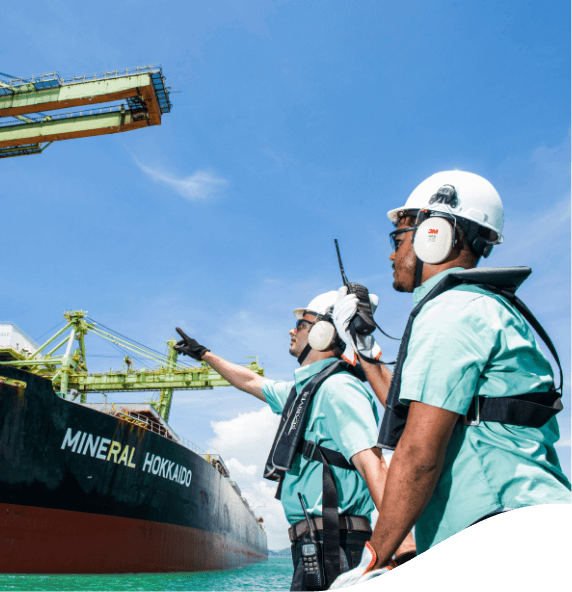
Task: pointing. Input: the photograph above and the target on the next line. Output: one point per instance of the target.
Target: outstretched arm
(240, 377)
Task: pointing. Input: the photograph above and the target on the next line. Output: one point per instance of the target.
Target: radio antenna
(344, 278)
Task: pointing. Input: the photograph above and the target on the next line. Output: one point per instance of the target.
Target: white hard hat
(320, 304)
(476, 200)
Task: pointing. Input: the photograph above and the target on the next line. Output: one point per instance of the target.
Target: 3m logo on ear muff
(434, 240)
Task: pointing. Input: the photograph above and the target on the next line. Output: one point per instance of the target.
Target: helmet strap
(304, 354)
(418, 272)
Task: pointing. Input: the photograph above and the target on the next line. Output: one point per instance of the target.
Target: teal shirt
(463, 343)
(343, 417)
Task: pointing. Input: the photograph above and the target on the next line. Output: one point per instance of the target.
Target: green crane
(143, 90)
(71, 379)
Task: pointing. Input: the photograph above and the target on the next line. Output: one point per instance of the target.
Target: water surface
(275, 574)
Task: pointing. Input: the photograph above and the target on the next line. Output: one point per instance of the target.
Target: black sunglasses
(300, 323)
(393, 236)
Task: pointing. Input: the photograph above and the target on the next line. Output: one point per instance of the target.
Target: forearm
(240, 377)
(372, 466)
(379, 377)
(410, 483)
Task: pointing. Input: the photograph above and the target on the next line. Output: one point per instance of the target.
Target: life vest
(289, 442)
(530, 409)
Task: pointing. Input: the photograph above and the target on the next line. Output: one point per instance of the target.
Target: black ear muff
(481, 246)
(434, 240)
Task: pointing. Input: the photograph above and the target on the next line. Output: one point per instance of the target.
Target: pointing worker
(471, 405)
(325, 445)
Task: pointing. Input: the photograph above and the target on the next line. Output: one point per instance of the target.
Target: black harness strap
(521, 410)
(330, 501)
(289, 442)
(530, 409)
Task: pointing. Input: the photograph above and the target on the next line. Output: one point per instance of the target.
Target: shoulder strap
(293, 423)
(535, 324)
(503, 282)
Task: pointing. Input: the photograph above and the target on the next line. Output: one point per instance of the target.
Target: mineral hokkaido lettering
(167, 469)
(112, 450)
(98, 447)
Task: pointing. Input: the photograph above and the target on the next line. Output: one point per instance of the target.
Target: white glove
(362, 572)
(344, 311)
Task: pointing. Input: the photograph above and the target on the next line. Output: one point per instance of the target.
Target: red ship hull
(84, 492)
(45, 540)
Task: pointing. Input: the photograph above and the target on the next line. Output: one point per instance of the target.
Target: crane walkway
(143, 90)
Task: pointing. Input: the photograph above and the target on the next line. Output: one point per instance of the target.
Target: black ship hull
(82, 491)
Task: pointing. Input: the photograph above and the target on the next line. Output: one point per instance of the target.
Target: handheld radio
(363, 321)
(314, 578)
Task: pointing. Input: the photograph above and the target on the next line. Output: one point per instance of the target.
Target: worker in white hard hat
(325, 448)
(471, 404)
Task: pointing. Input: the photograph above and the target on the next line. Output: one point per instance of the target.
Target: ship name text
(167, 469)
(111, 450)
(98, 447)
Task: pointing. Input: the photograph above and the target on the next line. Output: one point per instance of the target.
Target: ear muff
(321, 335)
(482, 247)
(434, 240)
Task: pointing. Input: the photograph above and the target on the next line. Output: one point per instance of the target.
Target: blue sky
(296, 123)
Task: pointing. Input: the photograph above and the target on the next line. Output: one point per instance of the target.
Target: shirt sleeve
(350, 413)
(276, 392)
(451, 343)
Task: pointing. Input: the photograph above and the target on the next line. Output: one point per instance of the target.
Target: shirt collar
(304, 373)
(428, 285)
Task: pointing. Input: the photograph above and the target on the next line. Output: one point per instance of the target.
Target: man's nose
(292, 332)
(392, 256)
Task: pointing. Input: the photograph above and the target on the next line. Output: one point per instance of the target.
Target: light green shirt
(343, 417)
(463, 343)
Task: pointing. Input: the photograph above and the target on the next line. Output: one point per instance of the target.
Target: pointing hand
(189, 346)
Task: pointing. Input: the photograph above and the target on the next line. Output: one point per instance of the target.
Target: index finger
(181, 333)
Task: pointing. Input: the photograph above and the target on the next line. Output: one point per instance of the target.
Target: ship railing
(147, 423)
(142, 421)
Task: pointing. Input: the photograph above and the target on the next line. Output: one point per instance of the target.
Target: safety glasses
(393, 236)
(301, 322)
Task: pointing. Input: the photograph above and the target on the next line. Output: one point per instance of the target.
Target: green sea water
(274, 574)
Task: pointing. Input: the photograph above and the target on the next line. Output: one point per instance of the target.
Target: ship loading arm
(71, 379)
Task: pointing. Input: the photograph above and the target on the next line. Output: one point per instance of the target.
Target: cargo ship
(98, 487)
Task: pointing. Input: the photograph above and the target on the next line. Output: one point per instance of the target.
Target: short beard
(399, 287)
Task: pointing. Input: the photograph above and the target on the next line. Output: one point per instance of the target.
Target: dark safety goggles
(393, 236)
(300, 323)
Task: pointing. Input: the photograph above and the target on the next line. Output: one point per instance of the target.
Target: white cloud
(238, 469)
(244, 443)
(202, 185)
(247, 437)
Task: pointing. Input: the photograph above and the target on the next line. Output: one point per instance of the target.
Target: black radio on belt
(312, 558)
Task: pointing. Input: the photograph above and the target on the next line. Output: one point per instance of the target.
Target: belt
(347, 522)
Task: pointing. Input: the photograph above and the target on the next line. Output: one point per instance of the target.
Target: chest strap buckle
(309, 450)
(476, 405)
